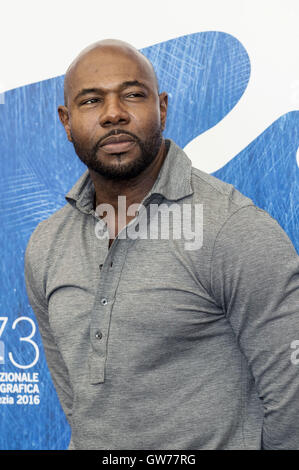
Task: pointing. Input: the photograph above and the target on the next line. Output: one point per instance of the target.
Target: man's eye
(90, 100)
(135, 95)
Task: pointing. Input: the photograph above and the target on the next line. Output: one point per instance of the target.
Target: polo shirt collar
(173, 181)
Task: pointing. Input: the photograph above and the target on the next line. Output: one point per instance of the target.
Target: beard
(148, 151)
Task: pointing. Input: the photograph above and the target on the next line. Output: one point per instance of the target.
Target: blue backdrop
(205, 75)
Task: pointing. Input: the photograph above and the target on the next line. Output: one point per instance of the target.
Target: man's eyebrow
(133, 83)
(122, 86)
(86, 91)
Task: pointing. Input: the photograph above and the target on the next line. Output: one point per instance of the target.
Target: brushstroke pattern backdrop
(205, 74)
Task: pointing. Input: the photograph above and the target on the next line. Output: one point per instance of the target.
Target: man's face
(114, 115)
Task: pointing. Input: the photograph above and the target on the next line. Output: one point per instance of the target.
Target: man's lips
(117, 143)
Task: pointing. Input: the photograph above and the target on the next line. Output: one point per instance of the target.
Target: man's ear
(64, 118)
(163, 98)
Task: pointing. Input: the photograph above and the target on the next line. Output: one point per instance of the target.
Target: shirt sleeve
(255, 279)
(56, 365)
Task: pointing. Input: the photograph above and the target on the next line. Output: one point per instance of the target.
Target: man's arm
(255, 278)
(56, 365)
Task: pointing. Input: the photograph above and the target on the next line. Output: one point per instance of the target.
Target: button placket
(102, 308)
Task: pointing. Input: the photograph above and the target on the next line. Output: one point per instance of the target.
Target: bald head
(111, 90)
(115, 48)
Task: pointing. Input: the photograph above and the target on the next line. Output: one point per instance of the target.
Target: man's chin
(119, 171)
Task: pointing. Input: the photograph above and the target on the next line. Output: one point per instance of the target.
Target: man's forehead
(110, 61)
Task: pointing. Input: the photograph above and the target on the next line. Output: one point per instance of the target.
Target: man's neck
(134, 190)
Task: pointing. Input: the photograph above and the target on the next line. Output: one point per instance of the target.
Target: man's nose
(113, 112)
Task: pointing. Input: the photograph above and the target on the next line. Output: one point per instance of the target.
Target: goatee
(148, 151)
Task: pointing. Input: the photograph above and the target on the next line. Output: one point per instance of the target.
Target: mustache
(113, 133)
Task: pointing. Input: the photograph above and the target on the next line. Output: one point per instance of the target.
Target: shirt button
(104, 301)
(98, 334)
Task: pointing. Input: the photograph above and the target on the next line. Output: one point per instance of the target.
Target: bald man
(166, 300)
(123, 147)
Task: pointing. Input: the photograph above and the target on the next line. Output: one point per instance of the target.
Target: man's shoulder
(230, 213)
(217, 195)
(47, 230)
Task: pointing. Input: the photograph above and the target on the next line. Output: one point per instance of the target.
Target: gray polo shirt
(161, 342)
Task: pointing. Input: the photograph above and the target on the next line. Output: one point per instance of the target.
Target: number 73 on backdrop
(27, 339)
